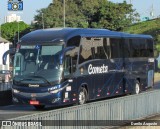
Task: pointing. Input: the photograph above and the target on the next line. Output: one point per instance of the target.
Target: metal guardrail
(123, 108)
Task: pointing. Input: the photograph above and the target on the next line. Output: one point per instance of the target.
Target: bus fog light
(15, 91)
(68, 88)
(15, 99)
(55, 91)
(66, 95)
(55, 100)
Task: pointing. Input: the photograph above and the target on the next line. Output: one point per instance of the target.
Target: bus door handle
(70, 80)
(123, 69)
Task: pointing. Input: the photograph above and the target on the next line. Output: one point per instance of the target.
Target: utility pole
(0, 28)
(130, 1)
(18, 30)
(64, 13)
(42, 21)
(152, 11)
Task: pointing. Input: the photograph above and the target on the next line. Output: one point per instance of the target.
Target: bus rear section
(139, 63)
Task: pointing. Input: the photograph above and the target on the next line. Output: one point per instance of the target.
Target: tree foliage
(87, 14)
(10, 30)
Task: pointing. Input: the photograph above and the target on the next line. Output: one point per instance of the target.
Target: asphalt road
(12, 111)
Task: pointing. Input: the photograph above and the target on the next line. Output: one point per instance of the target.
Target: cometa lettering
(96, 70)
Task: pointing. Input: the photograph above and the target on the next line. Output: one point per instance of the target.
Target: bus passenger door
(70, 80)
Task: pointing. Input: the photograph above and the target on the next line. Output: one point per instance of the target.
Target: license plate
(34, 102)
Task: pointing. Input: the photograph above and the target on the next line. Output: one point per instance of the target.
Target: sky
(29, 9)
(143, 7)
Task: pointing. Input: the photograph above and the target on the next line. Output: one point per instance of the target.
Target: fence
(96, 115)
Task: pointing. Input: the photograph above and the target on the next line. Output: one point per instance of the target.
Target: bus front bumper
(37, 98)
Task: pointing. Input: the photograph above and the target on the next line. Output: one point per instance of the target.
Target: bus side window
(19, 64)
(127, 50)
(74, 62)
(70, 62)
(136, 47)
(107, 49)
(74, 41)
(115, 47)
(67, 66)
(150, 48)
(85, 53)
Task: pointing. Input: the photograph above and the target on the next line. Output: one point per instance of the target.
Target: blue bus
(64, 66)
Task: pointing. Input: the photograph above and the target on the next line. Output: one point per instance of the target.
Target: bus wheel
(39, 107)
(137, 87)
(82, 96)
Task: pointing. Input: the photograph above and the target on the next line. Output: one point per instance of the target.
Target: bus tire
(137, 87)
(39, 107)
(82, 96)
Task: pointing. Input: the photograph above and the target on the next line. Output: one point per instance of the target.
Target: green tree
(10, 30)
(87, 14)
(53, 15)
(114, 16)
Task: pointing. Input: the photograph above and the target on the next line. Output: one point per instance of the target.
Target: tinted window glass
(127, 50)
(91, 48)
(135, 45)
(85, 50)
(116, 48)
(75, 41)
(107, 47)
(141, 47)
(70, 61)
(98, 48)
(150, 48)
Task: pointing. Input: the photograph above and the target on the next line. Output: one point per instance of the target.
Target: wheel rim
(82, 97)
(137, 88)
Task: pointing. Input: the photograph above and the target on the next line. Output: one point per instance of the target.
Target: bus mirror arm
(4, 57)
(64, 52)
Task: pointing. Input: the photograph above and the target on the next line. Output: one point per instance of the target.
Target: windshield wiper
(44, 79)
(30, 79)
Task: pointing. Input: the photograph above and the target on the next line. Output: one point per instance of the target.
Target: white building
(12, 18)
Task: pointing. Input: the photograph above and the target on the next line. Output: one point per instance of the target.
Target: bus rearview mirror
(4, 57)
(64, 52)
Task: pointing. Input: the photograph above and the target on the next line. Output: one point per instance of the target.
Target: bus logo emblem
(33, 95)
(33, 85)
(97, 70)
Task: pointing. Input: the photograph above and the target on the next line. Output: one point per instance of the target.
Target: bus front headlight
(15, 91)
(56, 91)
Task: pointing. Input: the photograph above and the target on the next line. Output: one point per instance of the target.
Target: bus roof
(49, 35)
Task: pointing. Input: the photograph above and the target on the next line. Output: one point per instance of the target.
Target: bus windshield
(37, 64)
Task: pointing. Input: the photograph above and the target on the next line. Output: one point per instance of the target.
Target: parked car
(5, 76)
